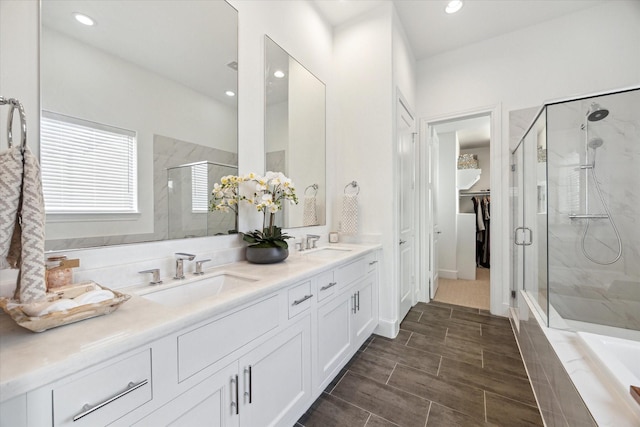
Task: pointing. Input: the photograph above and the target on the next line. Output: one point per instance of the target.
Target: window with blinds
(199, 193)
(87, 167)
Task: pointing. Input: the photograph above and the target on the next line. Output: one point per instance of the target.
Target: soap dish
(65, 317)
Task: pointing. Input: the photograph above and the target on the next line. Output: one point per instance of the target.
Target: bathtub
(572, 373)
(619, 359)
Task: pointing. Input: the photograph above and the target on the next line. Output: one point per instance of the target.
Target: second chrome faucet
(180, 258)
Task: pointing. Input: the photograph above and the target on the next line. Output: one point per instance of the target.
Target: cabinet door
(334, 336)
(366, 311)
(209, 403)
(276, 378)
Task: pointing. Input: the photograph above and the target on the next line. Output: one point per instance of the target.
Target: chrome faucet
(311, 241)
(155, 280)
(199, 271)
(180, 257)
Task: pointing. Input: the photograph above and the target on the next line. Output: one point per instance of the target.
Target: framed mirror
(295, 122)
(139, 119)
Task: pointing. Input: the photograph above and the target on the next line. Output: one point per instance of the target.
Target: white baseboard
(448, 274)
(387, 328)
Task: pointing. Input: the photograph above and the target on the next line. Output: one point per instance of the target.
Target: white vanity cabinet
(346, 320)
(106, 394)
(275, 380)
(261, 363)
(268, 386)
(208, 403)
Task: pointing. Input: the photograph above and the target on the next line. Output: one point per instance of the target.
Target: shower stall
(575, 192)
(575, 256)
(189, 190)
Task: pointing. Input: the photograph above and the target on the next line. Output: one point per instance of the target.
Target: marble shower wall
(579, 288)
(171, 153)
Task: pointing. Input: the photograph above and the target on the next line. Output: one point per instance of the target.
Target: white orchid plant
(270, 192)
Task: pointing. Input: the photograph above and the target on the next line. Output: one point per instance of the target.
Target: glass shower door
(529, 217)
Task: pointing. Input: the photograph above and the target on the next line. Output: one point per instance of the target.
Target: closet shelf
(468, 177)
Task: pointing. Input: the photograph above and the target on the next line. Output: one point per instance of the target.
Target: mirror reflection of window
(87, 167)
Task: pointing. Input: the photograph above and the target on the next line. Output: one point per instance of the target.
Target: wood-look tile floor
(448, 366)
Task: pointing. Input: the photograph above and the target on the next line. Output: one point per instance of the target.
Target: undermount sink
(177, 293)
(327, 252)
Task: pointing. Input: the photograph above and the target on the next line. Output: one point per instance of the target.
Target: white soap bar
(93, 297)
(40, 309)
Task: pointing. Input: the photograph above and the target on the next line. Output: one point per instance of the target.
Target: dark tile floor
(448, 366)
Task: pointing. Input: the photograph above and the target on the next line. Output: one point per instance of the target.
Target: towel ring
(314, 187)
(14, 103)
(353, 184)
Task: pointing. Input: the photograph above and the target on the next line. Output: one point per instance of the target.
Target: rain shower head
(596, 113)
(595, 143)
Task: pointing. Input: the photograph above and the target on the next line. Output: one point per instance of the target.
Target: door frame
(499, 302)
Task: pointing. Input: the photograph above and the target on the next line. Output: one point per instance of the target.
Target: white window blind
(87, 167)
(199, 193)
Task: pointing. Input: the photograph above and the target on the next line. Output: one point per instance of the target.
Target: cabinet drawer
(299, 298)
(351, 272)
(371, 261)
(326, 285)
(209, 343)
(103, 396)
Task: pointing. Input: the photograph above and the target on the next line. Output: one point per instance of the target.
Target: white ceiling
(431, 31)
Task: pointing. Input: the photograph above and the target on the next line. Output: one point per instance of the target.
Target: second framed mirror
(295, 122)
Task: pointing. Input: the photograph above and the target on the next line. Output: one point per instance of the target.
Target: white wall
(296, 26)
(371, 63)
(589, 51)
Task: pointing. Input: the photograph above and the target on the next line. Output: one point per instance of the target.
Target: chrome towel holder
(313, 187)
(353, 184)
(15, 104)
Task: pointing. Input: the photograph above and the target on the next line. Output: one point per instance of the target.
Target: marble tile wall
(579, 288)
(170, 153)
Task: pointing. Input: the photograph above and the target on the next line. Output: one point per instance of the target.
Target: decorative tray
(64, 317)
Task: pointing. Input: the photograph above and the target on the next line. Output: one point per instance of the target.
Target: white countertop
(30, 360)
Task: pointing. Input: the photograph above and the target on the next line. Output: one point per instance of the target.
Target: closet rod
(476, 193)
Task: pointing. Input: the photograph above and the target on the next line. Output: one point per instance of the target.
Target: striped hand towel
(22, 222)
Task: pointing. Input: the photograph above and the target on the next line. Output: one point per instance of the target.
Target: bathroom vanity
(257, 351)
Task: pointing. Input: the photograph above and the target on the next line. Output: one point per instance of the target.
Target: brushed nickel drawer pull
(330, 285)
(301, 300)
(88, 409)
(236, 404)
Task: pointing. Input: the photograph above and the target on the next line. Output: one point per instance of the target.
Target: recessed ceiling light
(278, 74)
(84, 19)
(230, 93)
(453, 6)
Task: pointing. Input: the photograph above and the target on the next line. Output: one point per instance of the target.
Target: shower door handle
(523, 243)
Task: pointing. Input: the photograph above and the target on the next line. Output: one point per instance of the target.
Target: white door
(406, 202)
(432, 189)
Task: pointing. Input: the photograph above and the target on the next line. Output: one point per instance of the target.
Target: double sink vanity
(241, 345)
